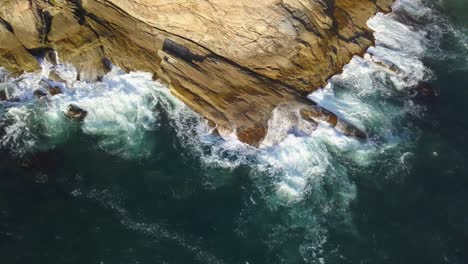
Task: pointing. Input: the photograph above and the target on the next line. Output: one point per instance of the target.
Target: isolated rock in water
(54, 90)
(3, 96)
(39, 94)
(76, 113)
(233, 62)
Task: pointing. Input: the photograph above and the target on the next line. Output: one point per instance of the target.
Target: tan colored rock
(25, 20)
(75, 43)
(13, 55)
(316, 114)
(231, 61)
(292, 41)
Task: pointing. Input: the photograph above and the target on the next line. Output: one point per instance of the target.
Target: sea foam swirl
(308, 174)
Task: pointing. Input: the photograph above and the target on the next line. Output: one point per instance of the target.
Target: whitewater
(304, 177)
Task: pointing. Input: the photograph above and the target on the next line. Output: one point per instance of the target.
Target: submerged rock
(76, 113)
(3, 95)
(231, 61)
(53, 90)
(424, 91)
(41, 164)
(39, 94)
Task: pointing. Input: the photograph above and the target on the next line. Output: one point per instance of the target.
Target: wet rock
(317, 114)
(54, 90)
(107, 64)
(106, 67)
(39, 94)
(286, 120)
(76, 113)
(52, 57)
(232, 62)
(424, 94)
(3, 95)
(388, 66)
(253, 135)
(425, 90)
(213, 126)
(54, 76)
(350, 130)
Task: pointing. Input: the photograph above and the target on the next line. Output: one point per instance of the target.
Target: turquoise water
(142, 180)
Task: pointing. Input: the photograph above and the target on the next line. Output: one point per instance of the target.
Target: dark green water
(109, 192)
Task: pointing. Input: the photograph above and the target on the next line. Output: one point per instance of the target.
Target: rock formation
(231, 61)
(76, 113)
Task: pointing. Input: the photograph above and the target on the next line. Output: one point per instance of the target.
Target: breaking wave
(121, 110)
(308, 173)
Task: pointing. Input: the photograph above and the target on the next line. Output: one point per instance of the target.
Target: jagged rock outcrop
(231, 61)
(76, 113)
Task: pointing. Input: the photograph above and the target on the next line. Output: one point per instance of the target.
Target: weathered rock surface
(13, 55)
(231, 61)
(76, 113)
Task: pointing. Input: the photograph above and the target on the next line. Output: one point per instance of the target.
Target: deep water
(142, 180)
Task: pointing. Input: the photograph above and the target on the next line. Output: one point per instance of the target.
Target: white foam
(290, 166)
(365, 94)
(301, 162)
(120, 110)
(285, 120)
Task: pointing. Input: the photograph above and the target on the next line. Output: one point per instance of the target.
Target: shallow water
(142, 180)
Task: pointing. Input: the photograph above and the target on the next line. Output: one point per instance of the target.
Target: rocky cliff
(233, 62)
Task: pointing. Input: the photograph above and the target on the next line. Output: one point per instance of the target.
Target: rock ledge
(233, 62)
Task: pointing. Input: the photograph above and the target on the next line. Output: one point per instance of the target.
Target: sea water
(143, 180)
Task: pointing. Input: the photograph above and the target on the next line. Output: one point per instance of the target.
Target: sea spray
(120, 111)
(300, 183)
(375, 93)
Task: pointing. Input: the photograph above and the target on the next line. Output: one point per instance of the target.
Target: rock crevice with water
(233, 62)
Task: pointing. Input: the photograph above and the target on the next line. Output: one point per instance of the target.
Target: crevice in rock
(212, 53)
(181, 52)
(301, 18)
(7, 25)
